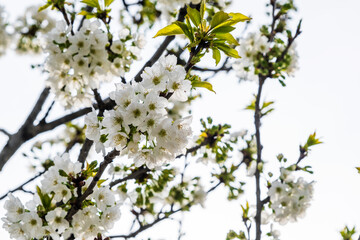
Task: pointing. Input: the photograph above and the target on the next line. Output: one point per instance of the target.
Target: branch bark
(257, 117)
(26, 131)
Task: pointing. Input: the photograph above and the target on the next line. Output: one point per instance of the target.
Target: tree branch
(77, 205)
(257, 122)
(21, 187)
(26, 131)
(5, 132)
(161, 48)
(159, 219)
(139, 172)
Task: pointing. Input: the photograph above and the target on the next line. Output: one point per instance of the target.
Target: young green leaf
(227, 37)
(172, 29)
(100, 182)
(202, 9)
(234, 18)
(92, 3)
(207, 85)
(194, 16)
(108, 2)
(48, 4)
(225, 29)
(228, 50)
(216, 55)
(186, 30)
(312, 140)
(219, 17)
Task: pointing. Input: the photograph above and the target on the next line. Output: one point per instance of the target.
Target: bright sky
(323, 96)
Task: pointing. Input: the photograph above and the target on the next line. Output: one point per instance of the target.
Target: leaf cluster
(204, 34)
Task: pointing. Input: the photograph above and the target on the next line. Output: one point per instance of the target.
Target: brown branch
(21, 187)
(76, 206)
(84, 152)
(161, 48)
(159, 219)
(290, 42)
(257, 117)
(43, 120)
(136, 174)
(26, 131)
(5, 132)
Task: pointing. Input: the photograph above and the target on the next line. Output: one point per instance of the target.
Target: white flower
(92, 130)
(52, 180)
(103, 197)
(117, 47)
(150, 122)
(199, 195)
(110, 216)
(32, 225)
(251, 169)
(15, 209)
(153, 102)
(290, 200)
(56, 220)
(16, 230)
(117, 140)
(136, 113)
(155, 78)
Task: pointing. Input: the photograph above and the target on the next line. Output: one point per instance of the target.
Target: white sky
(323, 96)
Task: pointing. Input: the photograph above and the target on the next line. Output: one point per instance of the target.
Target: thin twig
(161, 48)
(21, 187)
(159, 219)
(257, 117)
(84, 152)
(77, 205)
(139, 172)
(43, 120)
(5, 132)
(26, 131)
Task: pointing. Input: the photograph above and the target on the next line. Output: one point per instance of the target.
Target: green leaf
(93, 164)
(202, 9)
(234, 18)
(42, 8)
(216, 55)
(227, 37)
(100, 182)
(186, 30)
(44, 198)
(92, 3)
(108, 2)
(201, 84)
(228, 50)
(225, 29)
(251, 106)
(172, 29)
(312, 140)
(238, 17)
(194, 16)
(266, 104)
(219, 18)
(62, 173)
(282, 83)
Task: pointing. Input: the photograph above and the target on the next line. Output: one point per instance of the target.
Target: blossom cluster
(79, 62)
(253, 48)
(249, 48)
(4, 36)
(45, 215)
(139, 125)
(31, 28)
(289, 199)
